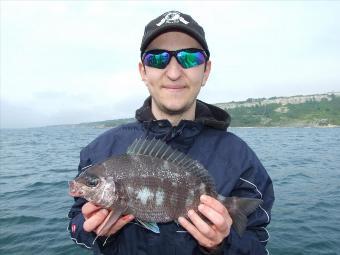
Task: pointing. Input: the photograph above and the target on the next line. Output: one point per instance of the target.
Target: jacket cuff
(77, 233)
(216, 251)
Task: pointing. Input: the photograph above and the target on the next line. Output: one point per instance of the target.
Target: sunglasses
(187, 58)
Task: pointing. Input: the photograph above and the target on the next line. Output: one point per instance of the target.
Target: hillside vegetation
(321, 110)
(310, 113)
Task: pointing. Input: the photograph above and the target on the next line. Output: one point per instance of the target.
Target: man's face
(174, 89)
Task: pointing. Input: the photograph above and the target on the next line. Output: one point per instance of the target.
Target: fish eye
(91, 180)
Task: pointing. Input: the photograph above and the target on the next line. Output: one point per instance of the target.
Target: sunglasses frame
(173, 53)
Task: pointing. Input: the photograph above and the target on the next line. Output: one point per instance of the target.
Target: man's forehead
(173, 40)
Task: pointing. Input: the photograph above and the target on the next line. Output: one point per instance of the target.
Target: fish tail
(239, 208)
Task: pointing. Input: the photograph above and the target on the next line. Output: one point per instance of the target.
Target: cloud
(84, 98)
(70, 61)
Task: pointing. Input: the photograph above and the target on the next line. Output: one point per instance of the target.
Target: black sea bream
(155, 183)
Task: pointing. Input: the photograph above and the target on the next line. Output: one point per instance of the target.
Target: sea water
(36, 164)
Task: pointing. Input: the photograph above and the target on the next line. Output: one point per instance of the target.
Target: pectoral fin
(110, 220)
(152, 226)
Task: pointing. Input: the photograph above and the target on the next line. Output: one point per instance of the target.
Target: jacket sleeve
(254, 182)
(75, 227)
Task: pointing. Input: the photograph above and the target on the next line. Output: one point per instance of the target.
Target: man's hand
(95, 217)
(208, 236)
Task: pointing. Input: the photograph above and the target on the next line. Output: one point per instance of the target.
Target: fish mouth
(74, 189)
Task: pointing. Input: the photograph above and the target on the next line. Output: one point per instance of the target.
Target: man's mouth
(174, 87)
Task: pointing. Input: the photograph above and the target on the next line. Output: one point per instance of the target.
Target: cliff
(320, 110)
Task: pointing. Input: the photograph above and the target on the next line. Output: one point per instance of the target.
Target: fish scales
(159, 189)
(143, 178)
(156, 184)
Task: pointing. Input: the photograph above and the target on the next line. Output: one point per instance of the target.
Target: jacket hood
(207, 114)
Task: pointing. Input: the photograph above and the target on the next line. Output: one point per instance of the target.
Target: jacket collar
(206, 114)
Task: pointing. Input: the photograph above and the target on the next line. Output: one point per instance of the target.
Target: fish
(156, 184)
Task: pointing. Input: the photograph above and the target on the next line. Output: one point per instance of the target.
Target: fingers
(213, 203)
(202, 240)
(93, 215)
(208, 235)
(220, 222)
(121, 222)
(88, 209)
(201, 225)
(216, 213)
(95, 220)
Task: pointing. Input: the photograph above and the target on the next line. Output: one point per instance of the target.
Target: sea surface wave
(36, 165)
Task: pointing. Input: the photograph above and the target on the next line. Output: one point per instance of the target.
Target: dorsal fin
(159, 149)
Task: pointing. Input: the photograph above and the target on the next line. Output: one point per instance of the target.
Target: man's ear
(206, 72)
(142, 71)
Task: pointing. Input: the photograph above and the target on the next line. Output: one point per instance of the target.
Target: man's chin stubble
(178, 112)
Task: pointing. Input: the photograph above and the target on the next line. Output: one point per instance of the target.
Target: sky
(68, 62)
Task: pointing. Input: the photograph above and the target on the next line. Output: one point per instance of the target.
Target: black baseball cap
(173, 21)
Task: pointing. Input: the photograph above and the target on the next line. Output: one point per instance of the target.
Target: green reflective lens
(157, 60)
(190, 59)
(187, 58)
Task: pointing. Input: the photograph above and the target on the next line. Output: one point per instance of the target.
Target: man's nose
(174, 69)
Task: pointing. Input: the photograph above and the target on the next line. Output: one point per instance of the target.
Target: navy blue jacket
(233, 165)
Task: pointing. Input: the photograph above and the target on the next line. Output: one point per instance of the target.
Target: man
(174, 66)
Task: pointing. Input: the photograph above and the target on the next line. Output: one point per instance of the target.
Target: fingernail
(190, 212)
(201, 207)
(127, 217)
(204, 198)
(104, 211)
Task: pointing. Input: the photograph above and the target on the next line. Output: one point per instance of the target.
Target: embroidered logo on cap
(172, 17)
